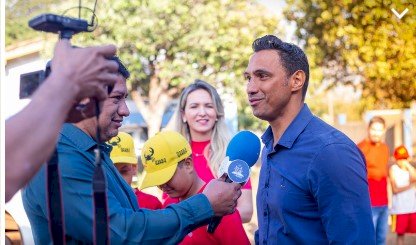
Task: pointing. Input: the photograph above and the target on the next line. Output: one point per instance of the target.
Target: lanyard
(54, 199)
(54, 202)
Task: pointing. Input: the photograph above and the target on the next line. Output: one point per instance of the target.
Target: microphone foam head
(244, 146)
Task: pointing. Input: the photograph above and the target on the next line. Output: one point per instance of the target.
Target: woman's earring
(184, 120)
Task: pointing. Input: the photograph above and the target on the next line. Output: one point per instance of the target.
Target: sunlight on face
(376, 132)
(200, 113)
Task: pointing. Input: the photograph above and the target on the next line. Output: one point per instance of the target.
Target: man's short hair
(122, 69)
(377, 119)
(291, 56)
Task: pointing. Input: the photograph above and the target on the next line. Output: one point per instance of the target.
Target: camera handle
(66, 34)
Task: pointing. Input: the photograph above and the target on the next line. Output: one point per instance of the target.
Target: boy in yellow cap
(125, 160)
(168, 164)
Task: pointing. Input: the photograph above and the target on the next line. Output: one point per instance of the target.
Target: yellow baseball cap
(160, 157)
(123, 149)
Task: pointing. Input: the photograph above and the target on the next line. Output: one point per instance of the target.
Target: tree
(19, 12)
(361, 43)
(167, 44)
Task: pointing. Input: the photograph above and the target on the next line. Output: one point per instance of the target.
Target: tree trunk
(152, 112)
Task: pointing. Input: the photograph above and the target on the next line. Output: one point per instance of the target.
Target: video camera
(30, 81)
(66, 27)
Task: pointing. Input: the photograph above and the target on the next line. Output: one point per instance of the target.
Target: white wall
(13, 69)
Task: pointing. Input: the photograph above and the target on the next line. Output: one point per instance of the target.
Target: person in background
(313, 185)
(376, 154)
(168, 164)
(125, 160)
(402, 178)
(200, 118)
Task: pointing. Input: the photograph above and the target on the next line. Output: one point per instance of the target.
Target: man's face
(113, 110)
(127, 171)
(268, 87)
(376, 132)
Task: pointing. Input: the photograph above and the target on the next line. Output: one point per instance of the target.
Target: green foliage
(19, 12)
(361, 43)
(167, 44)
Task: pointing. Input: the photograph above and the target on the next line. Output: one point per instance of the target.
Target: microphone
(241, 154)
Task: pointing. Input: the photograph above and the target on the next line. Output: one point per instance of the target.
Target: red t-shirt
(376, 157)
(147, 201)
(201, 165)
(229, 231)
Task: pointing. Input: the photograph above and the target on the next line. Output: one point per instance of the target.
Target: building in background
(400, 125)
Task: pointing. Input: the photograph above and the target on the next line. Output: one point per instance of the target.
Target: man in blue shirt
(128, 224)
(313, 182)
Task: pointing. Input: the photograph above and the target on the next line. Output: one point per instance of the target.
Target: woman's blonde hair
(220, 134)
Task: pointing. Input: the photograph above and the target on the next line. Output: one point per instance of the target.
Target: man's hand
(222, 196)
(87, 69)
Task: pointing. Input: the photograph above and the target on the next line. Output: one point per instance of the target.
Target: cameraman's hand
(87, 69)
(222, 196)
(88, 110)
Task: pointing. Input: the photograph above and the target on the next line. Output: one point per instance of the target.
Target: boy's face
(127, 171)
(181, 182)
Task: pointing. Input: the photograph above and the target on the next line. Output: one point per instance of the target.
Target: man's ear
(297, 80)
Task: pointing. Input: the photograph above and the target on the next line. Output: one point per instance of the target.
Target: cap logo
(149, 155)
(116, 141)
(160, 161)
(181, 152)
(125, 149)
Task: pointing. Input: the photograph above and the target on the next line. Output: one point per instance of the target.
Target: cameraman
(31, 134)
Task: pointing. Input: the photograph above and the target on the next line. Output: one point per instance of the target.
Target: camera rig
(66, 27)
(63, 25)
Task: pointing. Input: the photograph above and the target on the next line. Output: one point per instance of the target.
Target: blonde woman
(200, 118)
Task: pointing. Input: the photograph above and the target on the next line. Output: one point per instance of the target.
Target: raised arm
(31, 134)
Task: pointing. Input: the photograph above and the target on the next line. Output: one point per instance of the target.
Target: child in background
(402, 177)
(168, 164)
(125, 160)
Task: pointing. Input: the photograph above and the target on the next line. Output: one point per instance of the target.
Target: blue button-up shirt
(128, 224)
(313, 187)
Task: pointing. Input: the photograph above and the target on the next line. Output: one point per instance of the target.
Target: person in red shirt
(200, 118)
(125, 160)
(403, 205)
(168, 164)
(376, 154)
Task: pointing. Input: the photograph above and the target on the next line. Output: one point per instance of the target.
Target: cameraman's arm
(31, 134)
